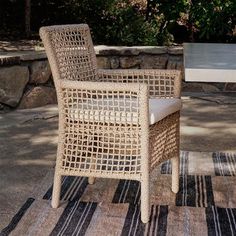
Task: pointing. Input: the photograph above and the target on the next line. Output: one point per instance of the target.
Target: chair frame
(148, 145)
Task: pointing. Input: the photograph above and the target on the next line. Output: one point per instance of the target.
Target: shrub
(207, 21)
(129, 22)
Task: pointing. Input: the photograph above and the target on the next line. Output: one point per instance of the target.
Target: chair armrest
(101, 85)
(161, 83)
(127, 101)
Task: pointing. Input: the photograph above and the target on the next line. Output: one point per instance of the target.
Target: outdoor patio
(205, 204)
(118, 118)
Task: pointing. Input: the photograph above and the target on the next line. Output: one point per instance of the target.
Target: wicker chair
(112, 123)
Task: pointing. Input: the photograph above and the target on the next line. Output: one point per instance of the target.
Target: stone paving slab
(9, 60)
(207, 125)
(219, 98)
(23, 116)
(19, 45)
(23, 55)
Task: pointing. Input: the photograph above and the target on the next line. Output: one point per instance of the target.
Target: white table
(210, 62)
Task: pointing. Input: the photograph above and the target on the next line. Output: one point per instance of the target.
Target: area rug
(205, 204)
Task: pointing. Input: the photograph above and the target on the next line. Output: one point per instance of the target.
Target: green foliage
(214, 20)
(126, 26)
(11, 18)
(208, 21)
(126, 22)
(114, 22)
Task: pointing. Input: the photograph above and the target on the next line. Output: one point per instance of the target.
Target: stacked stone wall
(26, 80)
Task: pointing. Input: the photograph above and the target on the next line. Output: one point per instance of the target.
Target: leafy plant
(129, 22)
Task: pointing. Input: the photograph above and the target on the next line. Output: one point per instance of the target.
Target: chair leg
(56, 191)
(175, 174)
(145, 202)
(91, 180)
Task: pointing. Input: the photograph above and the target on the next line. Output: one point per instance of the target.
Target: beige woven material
(110, 139)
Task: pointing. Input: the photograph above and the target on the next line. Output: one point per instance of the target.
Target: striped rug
(205, 204)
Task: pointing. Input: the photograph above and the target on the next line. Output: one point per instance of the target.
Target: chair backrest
(70, 52)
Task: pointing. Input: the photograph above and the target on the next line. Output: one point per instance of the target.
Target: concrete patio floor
(28, 140)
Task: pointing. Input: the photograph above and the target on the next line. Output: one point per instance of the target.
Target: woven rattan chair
(112, 123)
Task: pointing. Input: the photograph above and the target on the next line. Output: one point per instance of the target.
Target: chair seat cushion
(162, 107)
(122, 111)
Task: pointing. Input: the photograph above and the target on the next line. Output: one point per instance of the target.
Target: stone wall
(140, 57)
(26, 80)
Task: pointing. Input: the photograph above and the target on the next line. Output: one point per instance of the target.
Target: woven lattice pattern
(164, 139)
(74, 52)
(104, 115)
(161, 83)
(95, 142)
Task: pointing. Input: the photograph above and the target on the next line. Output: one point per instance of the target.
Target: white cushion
(122, 111)
(162, 107)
